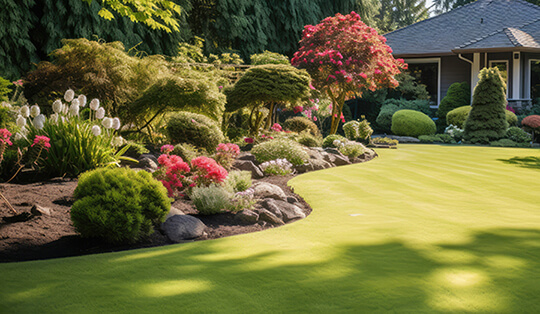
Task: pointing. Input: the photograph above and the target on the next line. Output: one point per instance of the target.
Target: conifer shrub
(487, 120)
(329, 140)
(195, 129)
(118, 204)
(268, 57)
(307, 139)
(278, 149)
(518, 135)
(412, 123)
(357, 130)
(211, 199)
(300, 124)
(186, 151)
(458, 95)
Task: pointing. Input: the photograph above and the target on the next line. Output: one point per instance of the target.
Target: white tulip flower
(74, 108)
(75, 102)
(107, 123)
(100, 113)
(118, 141)
(82, 100)
(25, 111)
(34, 111)
(94, 104)
(69, 95)
(53, 118)
(116, 123)
(21, 121)
(38, 124)
(96, 130)
(57, 106)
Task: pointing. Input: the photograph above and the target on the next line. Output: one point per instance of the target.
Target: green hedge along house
(454, 46)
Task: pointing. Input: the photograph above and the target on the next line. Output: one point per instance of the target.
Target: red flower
(4, 137)
(42, 142)
(248, 140)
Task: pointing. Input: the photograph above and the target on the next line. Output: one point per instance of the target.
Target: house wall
(525, 73)
(454, 70)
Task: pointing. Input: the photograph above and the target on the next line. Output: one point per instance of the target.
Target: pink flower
(377, 71)
(298, 109)
(42, 142)
(4, 137)
(276, 127)
(18, 82)
(193, 121)
(248, 140)
(167, 149)
(363, 75)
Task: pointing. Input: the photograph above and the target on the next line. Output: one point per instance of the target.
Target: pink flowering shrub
(4, 142)
(206, 170)
(41, 142)
(172, 173)
(226, 154)
(276, 127)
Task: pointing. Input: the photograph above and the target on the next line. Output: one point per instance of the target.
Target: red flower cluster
(171, 173)
(166, 149)
(277, 127)
(4, 137)
(298, 109)
(42, 142)
(226, 154)
(207, 170)
(249, 140)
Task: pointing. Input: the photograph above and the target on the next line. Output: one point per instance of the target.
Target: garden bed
(53, 236)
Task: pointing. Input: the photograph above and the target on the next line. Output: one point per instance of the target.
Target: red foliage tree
(345, 56)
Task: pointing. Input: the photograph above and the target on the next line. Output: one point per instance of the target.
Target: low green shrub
(300, 124)
(384, 119)
(277, 149)
(412, 123)
(195, 129)
(385, 140)
(329, 140)
(352, 149)
(268, 57)
(210, 200)
(458, 116)
(357, 130)
(307, 139)
(186, 151)
(518, 135)
(118, 204)
(504, 143)
(238, 181)
(458, 95)
(437, 138)
(511, 118)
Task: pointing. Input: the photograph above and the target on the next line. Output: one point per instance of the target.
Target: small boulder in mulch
(179, 228)
(248, 165)
(268, 190)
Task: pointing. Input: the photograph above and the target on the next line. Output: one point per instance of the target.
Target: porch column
(475, 70)
(516, 76)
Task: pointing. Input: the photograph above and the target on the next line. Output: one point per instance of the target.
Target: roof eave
(496, 49)
(422, 55)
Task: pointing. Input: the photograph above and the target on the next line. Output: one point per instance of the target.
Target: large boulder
(247, 156)
(183, 227)
(247, 165)
(174, 211)
(287, 211)
(268, 190)
(269, 217)
(336, 157)
(247, 217)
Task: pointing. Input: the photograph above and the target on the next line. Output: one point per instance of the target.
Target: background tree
(441, 6)
(345, 56)
(396, 14)
(487, 120)
(269, 86)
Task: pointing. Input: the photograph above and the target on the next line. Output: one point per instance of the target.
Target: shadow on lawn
(496, 271)
(525, 162)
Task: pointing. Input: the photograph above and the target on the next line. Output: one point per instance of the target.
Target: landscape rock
(150, 156)
(267, 216)
(288, 212)
(247, 216)
(246, 165)
(292, 199)
(40, 210)
(247, 156)
(174, 211)
(268, 190)
(147, 164)
(183, 227)
(404, 139)
(270, 205)
(338, 158)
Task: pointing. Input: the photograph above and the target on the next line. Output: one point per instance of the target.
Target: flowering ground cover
(423, 228)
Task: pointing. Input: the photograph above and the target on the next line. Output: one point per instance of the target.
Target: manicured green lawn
(422, 228)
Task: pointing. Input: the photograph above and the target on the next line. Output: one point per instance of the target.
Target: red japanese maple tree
(345, 56)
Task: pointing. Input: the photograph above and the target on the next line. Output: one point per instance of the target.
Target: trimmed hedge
(412, 123)
(195, 129)
(300, 124)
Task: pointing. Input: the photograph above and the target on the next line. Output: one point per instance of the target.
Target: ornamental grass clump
(118, 205)
(77, 144)
(278, 149)
(278, 167)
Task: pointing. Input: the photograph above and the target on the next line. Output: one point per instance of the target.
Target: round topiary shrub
(195, 129)
(511, 118)
(384, 119)
(300, 124)
(357, 130)
(412, 123)
(118, 204)
(278, 149)
(458, 116)
(517, 135)
(329, 140)
(458, 95)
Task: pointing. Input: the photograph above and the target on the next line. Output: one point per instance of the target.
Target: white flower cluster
(453, 130)
(63, 111)
(338, 144)
(277, 167)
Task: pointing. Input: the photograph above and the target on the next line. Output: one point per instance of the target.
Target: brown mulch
(53, 236)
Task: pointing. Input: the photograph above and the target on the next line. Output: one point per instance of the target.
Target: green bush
(511, 118)
(118, 204)
(437, 138)
(195, 129)
(4, 89)
(458, 95)
(504, 143)
(487, 120)
(357, 130)
(211, 200)
(329, 140)
(300, 124)
(412, 123)
(352, 149)
(384, 119)
(385, 140)
(277, 149)
(458, 116)
(186, 151)
(238, 181)
(268, 57)
(307, 139)
(518, 135)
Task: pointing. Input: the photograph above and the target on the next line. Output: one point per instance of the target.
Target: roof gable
(477, 25)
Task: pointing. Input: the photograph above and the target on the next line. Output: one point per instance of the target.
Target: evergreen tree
(487, 120)
(395, 14)
(17, 51)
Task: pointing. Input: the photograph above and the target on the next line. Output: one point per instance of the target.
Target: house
(455, 46)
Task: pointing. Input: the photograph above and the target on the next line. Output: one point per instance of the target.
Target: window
(535, 79)
(427, 71)
(502, 65)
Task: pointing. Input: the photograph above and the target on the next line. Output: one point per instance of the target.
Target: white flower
(100, 113)
(118, 141)
(96, 130)
(5, 104)
(18, 136)
(69, 95)
(75, 102)
(21, 121)
(25, 111)
(116, 123)
(53, 118)
(41, 118)
(38, 124)
(34, 111)
(74, 108)
(82, 100)
(107, 123)
(57, 106)
(94, 104)
(65, 108)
